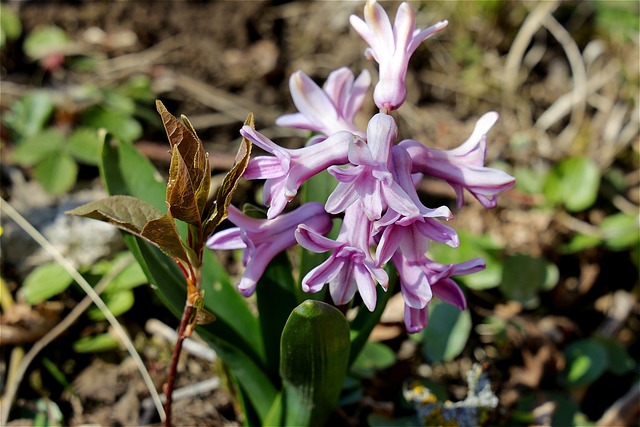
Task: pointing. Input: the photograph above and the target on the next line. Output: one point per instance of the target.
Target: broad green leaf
(373, 357)
(447, 332)
(45, 41)
(579, 243)
(524, 277)
(29, 114)
(137, 217)
(620, 361)
(38, 147)
(586, 361)
(218, 211)
(276, 299)
(118, 303)
(621, 231)
(130, 277)
(57, 174)
(84, 145)
(123, 127)
(96, 344)
(44, 282)
(313, 362)
(574, 182)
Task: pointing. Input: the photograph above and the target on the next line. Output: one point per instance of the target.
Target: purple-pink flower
(463, 167)
(421, 279)
(368, 178)
(263, 239)
(287, 169)
(330, 110)
(350, 265)
(392, 48)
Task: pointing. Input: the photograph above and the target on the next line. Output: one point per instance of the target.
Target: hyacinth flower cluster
(383, 218)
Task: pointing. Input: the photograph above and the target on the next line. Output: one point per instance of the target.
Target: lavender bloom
(421, 279)
(328, 111)
(350, 266)
(391, 47)
(368, 177)
(263, 239)
(463, 167)
(288, 169)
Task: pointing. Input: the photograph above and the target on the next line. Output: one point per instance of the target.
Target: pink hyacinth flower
(286, 170)
(263, 239)
(350, 266)
(463, 167)
(420, 280)
(392, 48)
(330, 110)
(368, 178)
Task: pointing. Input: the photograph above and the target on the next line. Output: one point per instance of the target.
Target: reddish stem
(168, 388)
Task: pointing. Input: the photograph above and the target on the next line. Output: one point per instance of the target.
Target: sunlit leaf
(45, 41)
(181, 197)
(621, 231)
(313, 362)
(218, 211)
(373, 357)
(117, 302)
(96, 344)
(573, 182)
(29, 114)
(38, 147)
(137, 217)
(57, 174)
(44, 282)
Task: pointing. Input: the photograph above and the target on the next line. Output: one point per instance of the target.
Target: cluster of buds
(383, 218)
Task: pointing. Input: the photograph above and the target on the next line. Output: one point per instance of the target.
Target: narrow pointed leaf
(313, 362)
(218, 212)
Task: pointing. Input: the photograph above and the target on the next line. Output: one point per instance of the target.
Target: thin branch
(86, 287)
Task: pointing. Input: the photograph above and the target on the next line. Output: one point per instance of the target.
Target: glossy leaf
(218, 211)
(44, 282)
(313, 362)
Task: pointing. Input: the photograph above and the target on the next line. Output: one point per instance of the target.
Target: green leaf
(38, 147)
(447, 332)
(10, 25)
(472, 246)
(276, 299)
(573, 182)
(620, 361)
(29, 114)
(621, 231)
(122, 126)
(374, 356)
(44, 282)
(96, 344)
(118, 303)
(218, 211)
(84, 145)
(314, 358)
(586, 361)
(579, 243)
(45, 41)
(524, 277)
(57, 174)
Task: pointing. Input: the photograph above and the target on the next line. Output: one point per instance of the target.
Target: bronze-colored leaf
(125, 212)
(218, 211)
(136, 217)
(190, 148)
(163, 233)
(181, 197)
